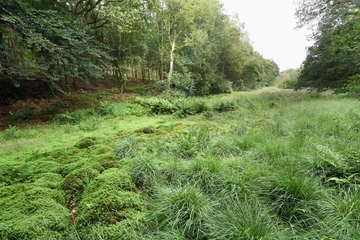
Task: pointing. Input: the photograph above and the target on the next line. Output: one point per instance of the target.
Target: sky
(271, 28)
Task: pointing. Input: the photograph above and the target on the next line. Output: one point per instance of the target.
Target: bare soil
(27, 102)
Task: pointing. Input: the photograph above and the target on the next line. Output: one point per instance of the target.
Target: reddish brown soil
(28, 102)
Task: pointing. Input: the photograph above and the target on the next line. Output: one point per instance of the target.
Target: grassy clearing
(263, 165)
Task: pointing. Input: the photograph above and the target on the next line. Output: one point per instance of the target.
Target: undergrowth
(266, 165)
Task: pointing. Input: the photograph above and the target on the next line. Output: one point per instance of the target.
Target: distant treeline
(188, 47)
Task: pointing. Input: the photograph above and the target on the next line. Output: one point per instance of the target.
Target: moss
(32, 212)
(75, 182)
(27, 171)
(49, 180)
(81, 163)
(124, 230)
(106, 207)
(106, 160)
(111, 179)
(146, 130)
(101, 149)
(62, 155)
(110, 203)
(86, 143)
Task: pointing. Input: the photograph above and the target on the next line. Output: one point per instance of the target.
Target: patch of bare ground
(29, 102)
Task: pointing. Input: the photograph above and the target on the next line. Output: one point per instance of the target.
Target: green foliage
(143, 171)
(353, 86)
(90, 124)
(205, 174)
(54, 109)
(295, 198)
(73, 117)
(333, 58)
(288, 79)
(244, 220)
(47, 41)
(325, 69)
(193, 142)
(224, 106)
(103, 94)
(342, 214)
(110, 207)
(32, 212)
(76, 182)
(112, 179)
(184, 209)
(11, 132)
(156, 105)
(86, 143)
(63, 43)
(181, 107)
(183, 83)
(104, 209)
(127, 148)
(190, 106)
(226, 147)
(27, 113)
(105, 109)
(281, 165)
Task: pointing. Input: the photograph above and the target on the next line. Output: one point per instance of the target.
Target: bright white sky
(270, 25)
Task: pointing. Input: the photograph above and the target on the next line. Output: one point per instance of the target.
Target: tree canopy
(46, 41)
(333, 61)
(187, 47)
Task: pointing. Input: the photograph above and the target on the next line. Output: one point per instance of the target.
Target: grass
(262, 165)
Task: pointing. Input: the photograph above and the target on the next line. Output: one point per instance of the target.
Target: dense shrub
(156, 105)
(224, 106)
(190, 106)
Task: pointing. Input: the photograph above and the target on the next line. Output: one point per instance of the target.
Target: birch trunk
(171, 69)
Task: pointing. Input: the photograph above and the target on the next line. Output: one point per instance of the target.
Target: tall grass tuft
(203, 173)
(73, 117)
(293, 196)
(226, 146)
(341, 211)
(246, 219)
(127, 147)
(184, 209)
(170, 234)
(143, 171)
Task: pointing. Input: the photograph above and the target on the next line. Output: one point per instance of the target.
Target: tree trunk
(2, 57)
(118, 76)
(159, 25)
(143, 72)
(171, 69)
(13, 46)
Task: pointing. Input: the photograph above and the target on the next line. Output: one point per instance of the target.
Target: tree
(183, 22)
(203, 50)
(128, 35)
(333, 59)
(235, 49)
(288, 78)
(41, 43)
